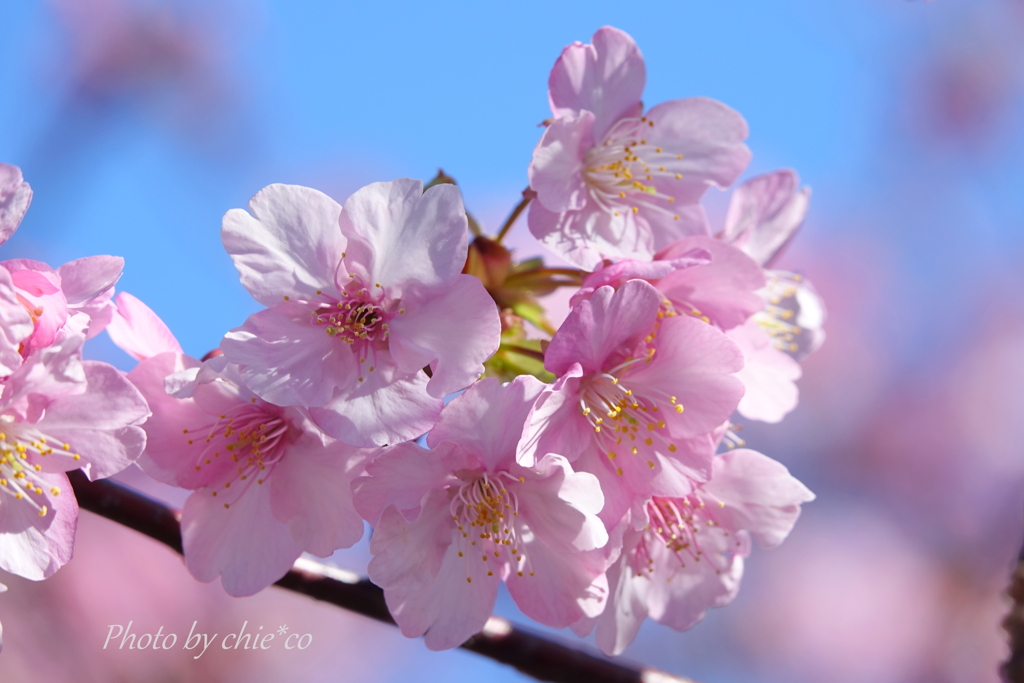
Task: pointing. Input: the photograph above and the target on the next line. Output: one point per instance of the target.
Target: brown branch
(1013, 669)
(528, 195)
(500, 640)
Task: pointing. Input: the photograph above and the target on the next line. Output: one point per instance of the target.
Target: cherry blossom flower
(59, 413)
(717, 282)
(45, 297)
(15, 197)
(764, 214)
(453, 522)
(613, 183)
(268, 483)
(360, 302)
(637, 397)
(681, 555)
(81, 287)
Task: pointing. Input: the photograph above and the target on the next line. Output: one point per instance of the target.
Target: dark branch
(500, 640)
(1013, 668)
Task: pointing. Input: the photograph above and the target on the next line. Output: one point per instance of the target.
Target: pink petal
(561, 506)
(409, 553)
(84, 279)
(555, 423)
(138, 331)
(15, 197)
(401, 476)
(288, 244)
(611, 321)
(606, 77)
(38, 286)
(46, 375)
(677, 219)
(768, 375)
(707, 133)
(488, 419)
(424, 579)
(679, 598)
(556, 171)
(618, 625)
(15, 325)
(88, 285)
(311, 492)
(760, 495)
(454, 329)
(558, 588)
(585, 237)
(620, 492)
(32, 546)
(765, 213)
(724, 290)
(399, 234)
(388, 407)
(166, 458)
(617, 274)
(100, 425)
(245, 544)
(695, 363)
(286, 359)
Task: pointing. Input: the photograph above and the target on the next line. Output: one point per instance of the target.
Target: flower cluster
(58, 412)
(405, 376)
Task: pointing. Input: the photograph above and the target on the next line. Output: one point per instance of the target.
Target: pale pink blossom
(613, 183)
(453, 522)
(268, 483)
(82, 287)
(637, 397)
(764, 214)
(697, 276)
(15, 197)
(138, 331)
(769, 375)
(35, 299)
(360, 301)
(717, 282)
(15, 325)
(59, 413)
(681, 555)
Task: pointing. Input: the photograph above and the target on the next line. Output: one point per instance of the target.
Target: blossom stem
(574, 277)
(524, 351)
(500, 640)
(523, 203)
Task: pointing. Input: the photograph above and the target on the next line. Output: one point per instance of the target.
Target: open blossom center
(623, 421)
(360, 320)
(782, 307)
(620, 172)
(483, 509)
(18, 476)
(250, 436)
(684, 527)
(352, 321)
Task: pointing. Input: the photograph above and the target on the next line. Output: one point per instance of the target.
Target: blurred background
(139, 123)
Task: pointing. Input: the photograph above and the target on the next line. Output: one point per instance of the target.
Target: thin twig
(528, 195)
(524, 351)
(500, 640)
